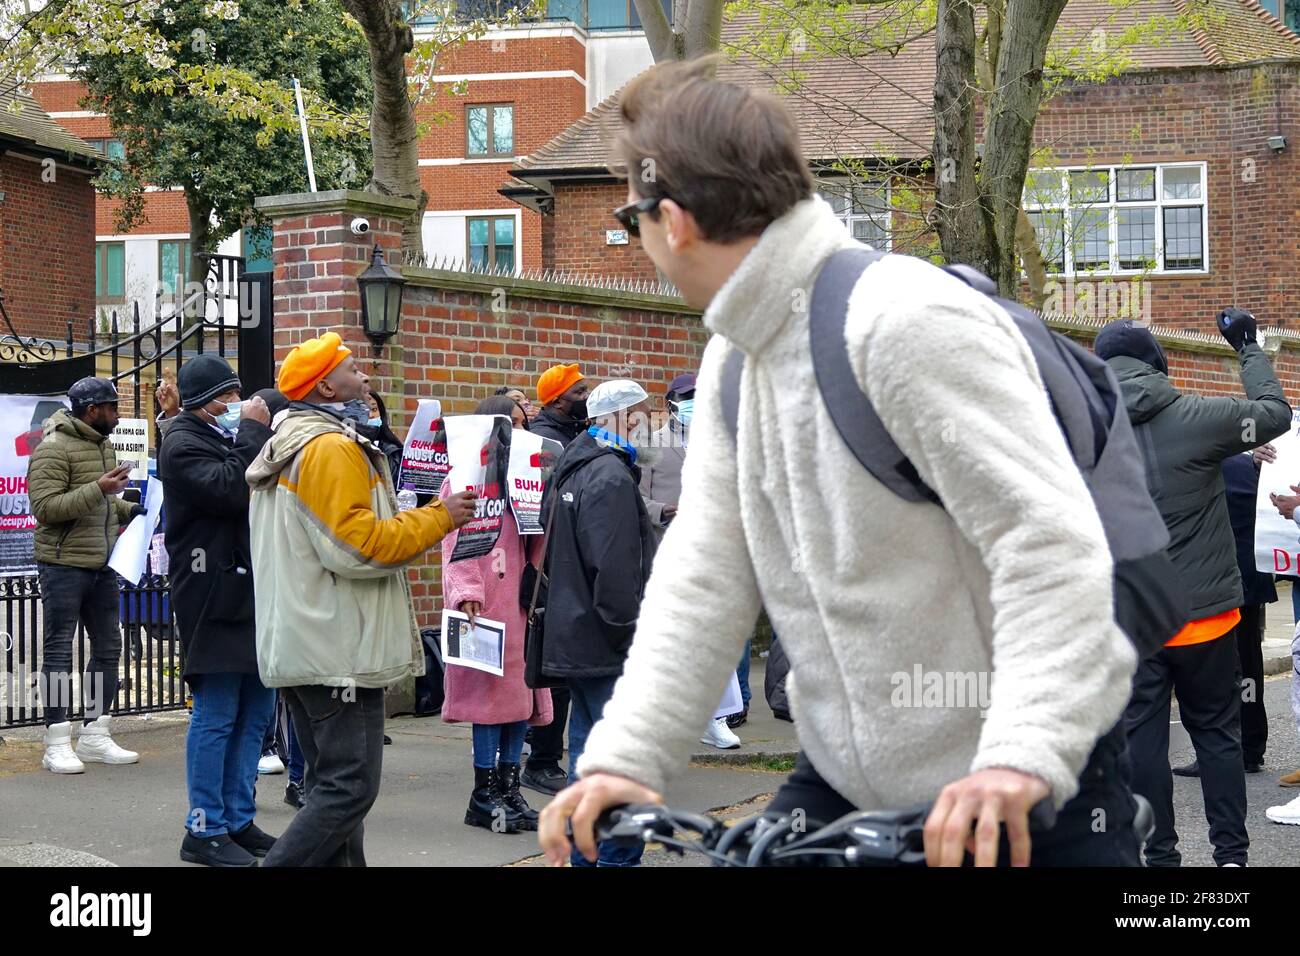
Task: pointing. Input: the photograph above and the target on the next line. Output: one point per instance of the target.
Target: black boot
(518, 812)
(220, 851)
(485, 807)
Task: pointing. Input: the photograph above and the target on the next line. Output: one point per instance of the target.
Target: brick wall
(164, 213)
(47, 251)
(581, 217)
(459, 350)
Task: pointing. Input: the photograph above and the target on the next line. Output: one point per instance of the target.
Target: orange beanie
(310, 362)
(555, 381)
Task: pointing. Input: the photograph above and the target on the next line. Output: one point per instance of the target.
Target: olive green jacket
(77, 522)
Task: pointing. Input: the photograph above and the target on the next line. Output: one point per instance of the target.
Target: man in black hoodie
(598, 560)
(202, 460)
(1185, 439)
(562, 393)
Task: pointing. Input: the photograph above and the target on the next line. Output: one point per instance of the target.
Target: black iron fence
(230, 316)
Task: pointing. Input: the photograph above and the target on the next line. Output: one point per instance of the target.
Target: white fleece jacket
(863, 587)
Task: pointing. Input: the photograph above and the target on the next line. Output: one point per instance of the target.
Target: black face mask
(578, 411)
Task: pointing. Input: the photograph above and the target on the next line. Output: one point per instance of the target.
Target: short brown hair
(728, 154)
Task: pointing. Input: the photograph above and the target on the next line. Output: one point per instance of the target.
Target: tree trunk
(200, 213)
(394, 139)
(964, 234)
(1012, 112)
(664, 46)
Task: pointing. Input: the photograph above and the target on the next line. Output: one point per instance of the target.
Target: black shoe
(255, 840)
(293, 795)
(1254, 766)
(735, 720)
(387, 740)
(1192, 769)
(547, 780)
(518, 812)
(215, 851)
(485, 807)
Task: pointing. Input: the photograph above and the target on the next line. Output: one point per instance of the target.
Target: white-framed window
(862, 206)
(1120, 220)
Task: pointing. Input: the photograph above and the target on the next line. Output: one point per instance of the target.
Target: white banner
(532, 459)
(1277, 539)
(131, 443)
(424, 456)
(21, 421)
(133, 544)
(477, 449)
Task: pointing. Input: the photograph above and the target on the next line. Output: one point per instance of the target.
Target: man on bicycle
(1012, 579)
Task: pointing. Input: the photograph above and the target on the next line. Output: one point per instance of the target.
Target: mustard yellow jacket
(329, 555)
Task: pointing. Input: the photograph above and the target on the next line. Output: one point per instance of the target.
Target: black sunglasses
(629, 213)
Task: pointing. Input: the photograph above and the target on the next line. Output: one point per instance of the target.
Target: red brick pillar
(317, 260)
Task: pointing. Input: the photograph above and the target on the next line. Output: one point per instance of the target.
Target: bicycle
(860, 839)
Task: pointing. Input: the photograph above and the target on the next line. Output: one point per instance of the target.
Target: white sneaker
(59, 757)
(97, 745)
(1287, 813)
(270, 765)
(719, 735)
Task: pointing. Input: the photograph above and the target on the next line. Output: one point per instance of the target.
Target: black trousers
(342, 735)
(1095, 828)
(548, 741)
(1250, 653)
(69, 595)
(1207, 680)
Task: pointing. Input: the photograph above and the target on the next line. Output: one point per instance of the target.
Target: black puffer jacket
(550, 425)
(598, 560)
(1185, 439)
(210, 561)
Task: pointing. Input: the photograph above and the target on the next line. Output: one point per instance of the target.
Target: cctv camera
(360, 226)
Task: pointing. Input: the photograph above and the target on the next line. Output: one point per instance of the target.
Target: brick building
(521, 88)
(47, 202)
(1182, 171)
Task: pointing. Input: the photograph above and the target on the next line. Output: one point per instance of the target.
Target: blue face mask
(374, 422)
(685, 410)
(355, 411)
(229, 419)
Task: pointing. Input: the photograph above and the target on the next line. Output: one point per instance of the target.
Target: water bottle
(406, 499)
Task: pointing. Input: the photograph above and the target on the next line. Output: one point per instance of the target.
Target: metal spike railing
(550, 276)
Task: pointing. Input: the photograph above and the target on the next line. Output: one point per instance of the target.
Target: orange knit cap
(310, 362)
(555, 381)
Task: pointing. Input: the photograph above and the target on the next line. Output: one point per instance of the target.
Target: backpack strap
(851, 410)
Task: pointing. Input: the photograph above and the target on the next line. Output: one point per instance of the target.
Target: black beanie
(203, 378)
(1125, 337)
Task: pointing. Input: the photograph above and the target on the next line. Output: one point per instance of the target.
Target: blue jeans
(489, 739)
(587, 699)
(231, 712)
(742, 672)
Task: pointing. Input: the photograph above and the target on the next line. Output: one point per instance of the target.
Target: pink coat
(493, 580)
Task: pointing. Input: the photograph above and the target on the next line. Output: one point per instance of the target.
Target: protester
(201, 464)
(74, 482)
(562, 393)
(335, 623)
(661, 486)
(1012, 575)
(1289, 507)
(378, 430)
(517, 395)
(500, 708)
(1241, 479)
(1187, 438)
(597, 562)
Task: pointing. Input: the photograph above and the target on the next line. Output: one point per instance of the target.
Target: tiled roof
(22, 118)
(881, 103)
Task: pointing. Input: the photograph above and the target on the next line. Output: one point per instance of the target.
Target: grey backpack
(1150, 603)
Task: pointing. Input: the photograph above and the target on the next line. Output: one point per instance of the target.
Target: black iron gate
(230, 315)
